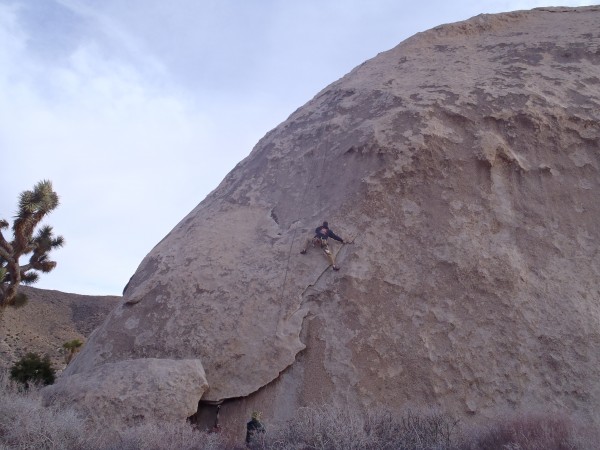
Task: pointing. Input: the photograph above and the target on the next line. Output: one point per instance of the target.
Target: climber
(254, 428)
(320, 239)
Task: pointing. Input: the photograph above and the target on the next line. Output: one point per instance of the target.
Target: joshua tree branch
(33, 207)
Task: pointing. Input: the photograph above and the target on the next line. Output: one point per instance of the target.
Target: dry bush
(530, 432)
(409, 430)
(331, 428)
(26, 424)
(160, 436)
(318, 428)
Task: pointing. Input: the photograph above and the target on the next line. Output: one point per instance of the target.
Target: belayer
(254, 429)
(322, 233)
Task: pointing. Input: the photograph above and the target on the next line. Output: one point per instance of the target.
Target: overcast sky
(137, 109)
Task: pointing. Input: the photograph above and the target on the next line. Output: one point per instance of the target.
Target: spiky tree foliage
(33, 207)
(71, 347)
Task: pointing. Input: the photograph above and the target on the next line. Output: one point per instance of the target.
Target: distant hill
(47, 321)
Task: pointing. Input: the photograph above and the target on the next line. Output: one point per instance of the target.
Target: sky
(137, 109)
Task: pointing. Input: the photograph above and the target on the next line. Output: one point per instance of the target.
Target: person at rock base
(322, 233)
(254, 428)
(216, 427)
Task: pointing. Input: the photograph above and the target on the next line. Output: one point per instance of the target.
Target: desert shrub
(26, 424)
(331, 428)
(32, 368)
(410, 430)
(531, 432)
(153, 435)
(323, 428)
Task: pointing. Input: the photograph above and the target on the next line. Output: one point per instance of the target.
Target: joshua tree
(71, 347)
(33, 207)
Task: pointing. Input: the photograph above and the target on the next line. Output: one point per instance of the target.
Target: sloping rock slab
(462, 168)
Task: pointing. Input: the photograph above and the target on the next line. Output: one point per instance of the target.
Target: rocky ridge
(47, 321)
(462, 168)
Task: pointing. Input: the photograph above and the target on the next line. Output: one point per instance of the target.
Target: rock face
(462, 168)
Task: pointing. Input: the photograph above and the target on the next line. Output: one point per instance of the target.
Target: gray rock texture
(129, 391)
(462, 168)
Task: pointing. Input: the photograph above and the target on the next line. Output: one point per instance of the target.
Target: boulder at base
(129, 391)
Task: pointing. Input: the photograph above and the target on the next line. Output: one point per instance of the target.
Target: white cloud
(120, 151)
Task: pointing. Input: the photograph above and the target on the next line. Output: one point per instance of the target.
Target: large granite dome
(462, 169)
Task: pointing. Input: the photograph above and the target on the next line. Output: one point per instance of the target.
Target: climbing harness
(322, 243)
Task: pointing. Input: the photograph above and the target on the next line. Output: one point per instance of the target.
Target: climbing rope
(301, 205)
